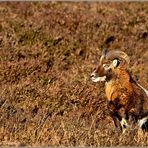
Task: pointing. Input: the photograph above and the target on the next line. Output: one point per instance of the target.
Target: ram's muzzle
(99, 74)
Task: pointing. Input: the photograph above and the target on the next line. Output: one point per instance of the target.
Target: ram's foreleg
(118, 115)
(114, 115)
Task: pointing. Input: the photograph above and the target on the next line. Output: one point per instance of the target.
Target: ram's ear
(116, 63)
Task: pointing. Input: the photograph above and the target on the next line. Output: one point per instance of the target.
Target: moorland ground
(47, 53)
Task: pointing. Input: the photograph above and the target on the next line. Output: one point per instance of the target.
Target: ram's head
(109, 62)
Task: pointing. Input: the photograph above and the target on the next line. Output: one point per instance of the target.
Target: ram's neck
(119, 81)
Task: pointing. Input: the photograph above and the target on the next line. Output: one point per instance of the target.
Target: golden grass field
(47, 53)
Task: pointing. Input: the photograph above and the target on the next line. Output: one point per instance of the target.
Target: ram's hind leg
(143, 124)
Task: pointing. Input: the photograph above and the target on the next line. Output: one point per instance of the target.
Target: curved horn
(118, 54)
(103, 55)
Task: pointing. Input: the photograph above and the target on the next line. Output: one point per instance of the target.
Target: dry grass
(47, 52)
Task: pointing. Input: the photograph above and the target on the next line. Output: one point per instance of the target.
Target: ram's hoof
(124, 125)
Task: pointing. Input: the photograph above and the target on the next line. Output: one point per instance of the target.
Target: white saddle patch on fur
(145, 90)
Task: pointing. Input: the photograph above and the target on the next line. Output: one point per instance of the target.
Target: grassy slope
(47, 52)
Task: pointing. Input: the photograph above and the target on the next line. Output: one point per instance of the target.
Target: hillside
(47, 53)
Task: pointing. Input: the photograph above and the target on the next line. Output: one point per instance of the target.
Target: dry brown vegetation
(47, 52)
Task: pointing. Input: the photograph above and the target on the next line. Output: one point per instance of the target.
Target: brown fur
(125, 97)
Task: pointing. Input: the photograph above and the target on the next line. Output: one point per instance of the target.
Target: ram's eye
(116, 62)
(104, 65)
(94, 68)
